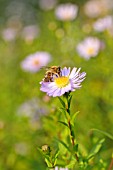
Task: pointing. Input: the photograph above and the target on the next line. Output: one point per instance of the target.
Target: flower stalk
(72, 134)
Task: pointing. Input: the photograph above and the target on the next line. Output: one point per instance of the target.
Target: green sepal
(95, 149)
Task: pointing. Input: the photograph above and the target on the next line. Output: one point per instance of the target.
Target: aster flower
(67, 82)
(89, 47)
(92, 8)
(95, 8)
(103, 24)
(9, 34)
(30, 32)
(66, 12)
(35, 61)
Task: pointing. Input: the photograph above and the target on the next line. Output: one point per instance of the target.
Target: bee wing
(45, 67)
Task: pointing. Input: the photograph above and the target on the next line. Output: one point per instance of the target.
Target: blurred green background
(21, 134)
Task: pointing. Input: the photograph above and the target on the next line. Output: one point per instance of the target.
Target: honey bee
(51, 73)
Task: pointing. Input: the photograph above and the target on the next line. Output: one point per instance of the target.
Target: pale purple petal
(65, 71)
(74, 73)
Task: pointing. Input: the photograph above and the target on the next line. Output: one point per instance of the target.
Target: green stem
(70, 126)
(111, 165)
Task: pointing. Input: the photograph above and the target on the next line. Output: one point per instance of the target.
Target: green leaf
(69, 101)
(56, 153)
(74, 117)
(40, 150)
(55, 157)
(72, 132)
(95, 149)
(49, 164)
(70, 165)
(62, 102)
(47, 157)
(62, 110)
(104, 133)
(64, 144)
(75, 148)
(65, 124)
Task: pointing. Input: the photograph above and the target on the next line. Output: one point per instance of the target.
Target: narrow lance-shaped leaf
(75, 148)
(72, 131)
(49, 164)
(65, 124)
(62, 102)
(95, 149)
(55, 157)
(104, 133)
(74, 117)
(64, 144)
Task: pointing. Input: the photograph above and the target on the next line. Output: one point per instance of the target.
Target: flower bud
(46, 149)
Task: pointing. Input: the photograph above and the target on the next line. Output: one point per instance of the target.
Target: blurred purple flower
(9, 34)
(66, 12)
(69, 81)
(89, 47)
(30, 32)
(95, 8)
(103, 24)
(47, 4)
(35, 61)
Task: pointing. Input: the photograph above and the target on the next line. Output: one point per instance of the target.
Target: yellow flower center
(36, 62)
(90, 51)
(62, 81)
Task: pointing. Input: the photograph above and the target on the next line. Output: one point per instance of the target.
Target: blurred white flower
(89, 47)
(47, 4)
(30, 32)
(34, 62)
(56, 168)
(103, 24)
(21, 148)
(94, 8)
(66, 12)
(9, 34)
